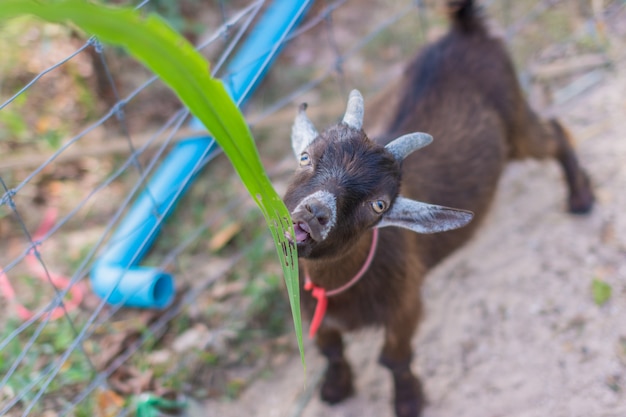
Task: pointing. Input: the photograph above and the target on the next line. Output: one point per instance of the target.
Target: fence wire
(35, 375)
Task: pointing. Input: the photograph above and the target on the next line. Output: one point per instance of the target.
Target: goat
(355, 202)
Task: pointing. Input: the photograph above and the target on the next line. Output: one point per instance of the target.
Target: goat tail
(464, 15)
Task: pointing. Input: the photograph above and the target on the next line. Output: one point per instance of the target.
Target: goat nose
(319, 211)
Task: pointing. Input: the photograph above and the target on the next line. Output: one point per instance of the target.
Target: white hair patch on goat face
(325, 198)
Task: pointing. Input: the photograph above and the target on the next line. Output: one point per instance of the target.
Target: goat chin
(347, 183)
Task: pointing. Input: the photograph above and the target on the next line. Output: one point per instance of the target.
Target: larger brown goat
(463, 91)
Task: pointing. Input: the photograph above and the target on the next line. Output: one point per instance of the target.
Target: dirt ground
(511, 326)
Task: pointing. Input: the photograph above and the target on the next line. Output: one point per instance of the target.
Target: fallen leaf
(109, 403)
(222, 290)
(159, 357)
(222, 237)
(193, 338)
(129, 380)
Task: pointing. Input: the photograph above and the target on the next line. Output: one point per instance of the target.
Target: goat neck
(333, 272)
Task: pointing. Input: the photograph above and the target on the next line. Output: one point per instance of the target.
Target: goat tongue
(302, 231)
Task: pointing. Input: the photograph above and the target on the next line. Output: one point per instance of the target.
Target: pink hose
(36, 268)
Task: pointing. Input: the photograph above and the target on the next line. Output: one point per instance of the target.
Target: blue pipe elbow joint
(142, 287)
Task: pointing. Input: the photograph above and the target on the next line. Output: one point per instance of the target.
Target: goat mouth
(303, 232)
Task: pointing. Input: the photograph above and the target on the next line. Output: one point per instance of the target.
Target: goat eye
(305, 159)
(379, 206)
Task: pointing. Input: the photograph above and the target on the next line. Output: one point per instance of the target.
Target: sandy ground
(511, 327)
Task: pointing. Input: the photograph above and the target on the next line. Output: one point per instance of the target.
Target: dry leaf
(109, 403)
(129, 380)
(222, 237)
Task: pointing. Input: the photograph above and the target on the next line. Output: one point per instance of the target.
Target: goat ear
(303, 131)
(401, 147)
(424, 218)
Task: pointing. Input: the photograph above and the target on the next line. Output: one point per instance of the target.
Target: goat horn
(354, 110)
(303, 132)
(401, 147)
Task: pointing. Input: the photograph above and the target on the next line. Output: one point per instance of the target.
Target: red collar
(322, 294)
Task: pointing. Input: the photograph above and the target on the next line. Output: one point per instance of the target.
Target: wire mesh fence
(81, 135)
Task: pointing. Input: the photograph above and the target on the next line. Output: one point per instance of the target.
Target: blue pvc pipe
(115, 276)
(255, 56)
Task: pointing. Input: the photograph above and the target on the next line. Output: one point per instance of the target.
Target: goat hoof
(408, 408)
(581, 201)
(337, 385)
(580, 205)
(409, 399)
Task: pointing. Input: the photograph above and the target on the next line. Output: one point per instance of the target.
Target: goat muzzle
(311, 221)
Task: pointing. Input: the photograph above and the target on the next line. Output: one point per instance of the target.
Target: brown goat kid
(356, 202)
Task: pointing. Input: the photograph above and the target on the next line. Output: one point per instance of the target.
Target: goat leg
(396, 356)
(539, 138)
(408, 394)
(337, 383)
(581, 196)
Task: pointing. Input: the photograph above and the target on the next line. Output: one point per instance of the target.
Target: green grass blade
(152, 41)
